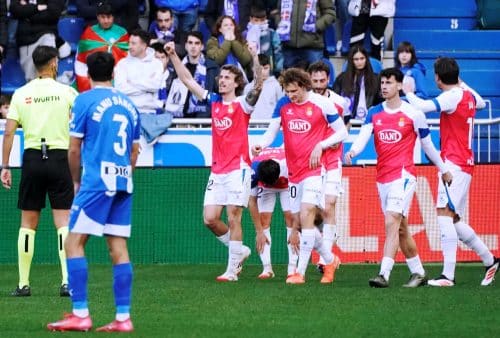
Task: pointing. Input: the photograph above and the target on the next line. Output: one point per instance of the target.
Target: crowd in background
(207, 35)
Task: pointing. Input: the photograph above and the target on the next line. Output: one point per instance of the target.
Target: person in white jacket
(139, 75)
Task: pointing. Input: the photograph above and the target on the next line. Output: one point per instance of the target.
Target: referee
(42, 107)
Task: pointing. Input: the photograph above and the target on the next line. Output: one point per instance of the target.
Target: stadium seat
(70, 29)
(12, 75)
(66, 69)
(329, 38)
(434, 23)
(436, 9)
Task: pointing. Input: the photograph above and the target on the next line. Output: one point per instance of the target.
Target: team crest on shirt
(378, 122)
(389, 136)
(230, 109)
(223, 124)
(309, 111)
(401, 122)
(299, 126)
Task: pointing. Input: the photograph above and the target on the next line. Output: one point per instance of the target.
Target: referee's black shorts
(39, 177)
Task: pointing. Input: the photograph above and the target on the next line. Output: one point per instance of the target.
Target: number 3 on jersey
(121, 147)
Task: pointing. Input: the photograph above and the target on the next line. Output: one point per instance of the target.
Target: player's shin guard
(467, 235)
(62, 233)
(306, 245)
(25, 249)
(449, 242)
(77, 278)
(122, 288)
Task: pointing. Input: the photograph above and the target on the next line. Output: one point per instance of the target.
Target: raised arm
(183, 73)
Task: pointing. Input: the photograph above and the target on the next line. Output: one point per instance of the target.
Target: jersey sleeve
(277, 109)
(420, 124)
(77, 124)
(448, 101)
(248, 109)
(137, 128)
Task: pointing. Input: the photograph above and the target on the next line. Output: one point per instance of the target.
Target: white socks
(386, 267)
(449, 242)
(224, 239)
(307, 240)
(415, 265)
(472, 240)
(234, 256)
(325, 251)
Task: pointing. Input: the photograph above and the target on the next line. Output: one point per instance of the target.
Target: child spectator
(406, 61)
(265, 39)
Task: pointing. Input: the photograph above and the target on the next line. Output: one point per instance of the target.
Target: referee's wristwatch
(4, 167)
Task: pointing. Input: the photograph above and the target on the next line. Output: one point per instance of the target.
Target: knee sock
(292, 256)
(306, 245)
(472, 240)
(415, 265)
(25, 249)
(265, 256)
(449, 242)
(62, 233)
(122, 288)
(77, 277)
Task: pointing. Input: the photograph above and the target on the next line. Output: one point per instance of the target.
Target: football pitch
(186, 301)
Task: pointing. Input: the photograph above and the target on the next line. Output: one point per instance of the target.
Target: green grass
(185, 301)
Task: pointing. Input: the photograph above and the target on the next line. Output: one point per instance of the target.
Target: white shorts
(396, 196)
(228, 189)
(310, 190)
(455, 195)
(333, 182)
(266, 199)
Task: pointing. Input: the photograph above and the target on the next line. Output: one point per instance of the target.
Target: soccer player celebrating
(457, 105)
(306, 119)
(105, 138)
(229, 182)
(396, 125)
(320, 76)
(270, 179)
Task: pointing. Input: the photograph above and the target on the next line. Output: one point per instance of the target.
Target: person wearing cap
(43, 108)
(105, 36)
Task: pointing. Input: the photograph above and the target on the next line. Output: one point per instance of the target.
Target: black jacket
(32, 23)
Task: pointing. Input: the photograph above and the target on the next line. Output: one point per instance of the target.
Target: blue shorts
(101, 213)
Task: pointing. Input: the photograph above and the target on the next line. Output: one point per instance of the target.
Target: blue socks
(77, 278)
(122, 287)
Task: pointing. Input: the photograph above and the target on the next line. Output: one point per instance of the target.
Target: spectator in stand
(301, 28)
(4, 106)
(227, 46)
(162, 29)
(37, 25)
(126, 12)
(3, 28)
(271, 91)
(185, 13)
(105, 36)
(139, 75)
(180, 101)
(406, 61)
(358, 83)
(168, 74)
(373, 14)
(237, 9)
(265, 39)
